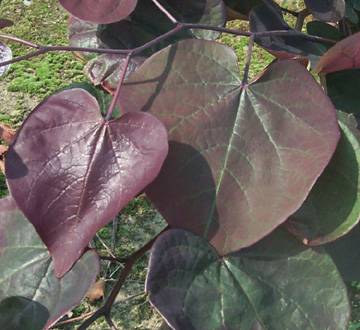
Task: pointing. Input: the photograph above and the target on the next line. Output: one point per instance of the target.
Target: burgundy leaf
(102, 12)
(71, 172)
(5, 23)
(343, 56)
(241, 158)
(6, 133)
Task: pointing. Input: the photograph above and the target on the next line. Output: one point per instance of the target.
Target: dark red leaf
(5, 23)
(102, 12)
(71, 172)
(6, 133)
(344, 55)
(239, 156)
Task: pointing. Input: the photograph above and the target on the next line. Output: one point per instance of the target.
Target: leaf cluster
(258, 180)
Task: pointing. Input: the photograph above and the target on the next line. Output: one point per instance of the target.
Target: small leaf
(6, 133)
(333, 206)
(324, 30)
(327, 10)
(342, 56)
(79, 170)
(31, 297)
(238, 159)
(97, 291)
(276, 284)
(5, 23)
(102, 12)
(5, 55)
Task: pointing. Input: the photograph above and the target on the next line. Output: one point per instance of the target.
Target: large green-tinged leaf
(71, 172)
(327, 10)
(241, 158)
(31, 296)
(240, 9)
(345, 252)
(333, 205)
(342, 56)
(103, 12)
(324, 30)
(262, 19)
(276, 284)
(343, 89)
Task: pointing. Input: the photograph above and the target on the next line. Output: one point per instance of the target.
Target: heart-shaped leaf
(31, 297)
(343, 89)
(342, 56)
(5, 55)
(333, 205)
(102, 12)
(71, 172)
(239, 156)
(263, 19)
(327, 10)
(276, 284)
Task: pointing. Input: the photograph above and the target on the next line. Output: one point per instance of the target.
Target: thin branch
(21, 41)
(248, 60)
(118, 88)
(169, 16)
(301, 18)
(105, 310)
(104, 245)
(120, 260)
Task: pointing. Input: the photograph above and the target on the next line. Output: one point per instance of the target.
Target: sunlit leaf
(239, 157)
(71, 172)
(327, 10)
(5, 55)
(103, 12)
(31, 296)
(276, 284)
(333, 205)
(342, 56)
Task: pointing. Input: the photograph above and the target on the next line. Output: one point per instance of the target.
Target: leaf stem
(118, 88)
(248, 60)
(169, 16)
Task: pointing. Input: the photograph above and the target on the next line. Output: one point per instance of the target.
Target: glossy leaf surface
(31, 297)
(344, 55)
(5, 55)
(263, 19)
(343, 89)
(239, 157)
(276, 284)
(103, 12)
(80, 171)
(327, 10)
(333, 205)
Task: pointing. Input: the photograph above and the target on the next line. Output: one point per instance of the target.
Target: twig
(169, 16)
(105, 246)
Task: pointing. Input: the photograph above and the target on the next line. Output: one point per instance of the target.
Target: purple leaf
(5, 55)
(102, 12)
(71, 172)
(327, 10)
(30, 294)
(241, 158)
(5, 23)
